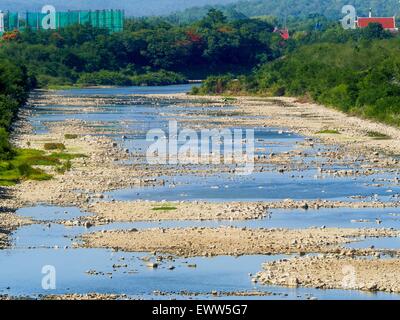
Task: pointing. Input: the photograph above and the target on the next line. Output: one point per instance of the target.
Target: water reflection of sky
(50, 243)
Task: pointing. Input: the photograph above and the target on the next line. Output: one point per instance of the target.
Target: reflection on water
(116, 91)
(261, 186)
(388, 243)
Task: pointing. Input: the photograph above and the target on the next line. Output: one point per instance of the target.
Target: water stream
(48, 242)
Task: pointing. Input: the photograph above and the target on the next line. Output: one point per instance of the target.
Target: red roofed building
(284, 33)
(388, 23)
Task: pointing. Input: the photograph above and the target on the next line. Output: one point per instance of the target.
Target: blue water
(180, 88)
(134, 120)
(265, 186)
(223, 274)
(389, 243)
(51, 243)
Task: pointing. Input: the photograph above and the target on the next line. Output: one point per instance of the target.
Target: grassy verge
(54, 146)
(22, 165)
(165, 208)
(328, 131)
(378, 135)
(70, 136)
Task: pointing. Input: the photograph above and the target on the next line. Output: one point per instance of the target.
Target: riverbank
(207, 242)
(334, 272)
(335, 147)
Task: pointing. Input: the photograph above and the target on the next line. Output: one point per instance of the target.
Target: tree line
(357, 72)
(15, 85)
(148, 51)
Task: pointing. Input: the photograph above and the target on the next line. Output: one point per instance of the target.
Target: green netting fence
(112, 20)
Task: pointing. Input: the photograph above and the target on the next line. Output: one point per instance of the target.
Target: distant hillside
(132, 7)
(189, 10)
(294, 8)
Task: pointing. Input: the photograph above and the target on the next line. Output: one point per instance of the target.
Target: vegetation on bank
(23, 165)
(293, 10)
(357, 72)
(165, 207)
(107, 78)
(147, 52)
(14, 89)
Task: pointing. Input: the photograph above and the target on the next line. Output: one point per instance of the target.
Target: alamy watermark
(350, 18)
(49, 277)
(207, 146)
(349, 279)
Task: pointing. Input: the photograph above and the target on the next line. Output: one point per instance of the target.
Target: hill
(132, 7)
(292, 8)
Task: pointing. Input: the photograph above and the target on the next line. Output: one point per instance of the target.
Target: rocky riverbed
(334, 271)
(335, 146)
(189, 242)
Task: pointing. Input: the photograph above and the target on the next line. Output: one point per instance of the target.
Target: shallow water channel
(48, 242)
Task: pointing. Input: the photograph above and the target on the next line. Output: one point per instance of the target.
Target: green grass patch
(165, 208)
(66, 166)
(328, 131)
(28, 172)
(70, 136)
(14, 174)
(62, 86)
(378, 136)
(20, 167)
(229, 99)
(54, 146)
(66, 156)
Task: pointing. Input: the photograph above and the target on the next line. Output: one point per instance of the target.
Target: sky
(132, 7)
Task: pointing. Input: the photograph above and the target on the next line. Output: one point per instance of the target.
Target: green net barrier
(112, 20)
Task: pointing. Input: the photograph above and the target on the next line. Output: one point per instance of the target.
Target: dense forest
(14, 89)
(148, 51)
(133, 8)
(357, 72)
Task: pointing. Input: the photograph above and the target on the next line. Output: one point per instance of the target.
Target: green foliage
(328, 131)
(104, 78)
(214, 85)
(6, 150)
(159, 78)
(54, 146)
(20, 166)
(293, 10)
(70, 136)
(378, 135)
(14, 87)
(165, 208)
(84, 55)
(66, 166)
(360, 77)
(66, 156)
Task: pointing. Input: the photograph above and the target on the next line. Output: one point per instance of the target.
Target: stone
(152, 265)
(88, 224)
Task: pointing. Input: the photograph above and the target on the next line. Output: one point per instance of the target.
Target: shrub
(69, 136)
(328, 131)
(6, 151)
(104, 78)
(54, 146)
(378, 135)
(67, 166)
(159, 78)
(165, 208)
